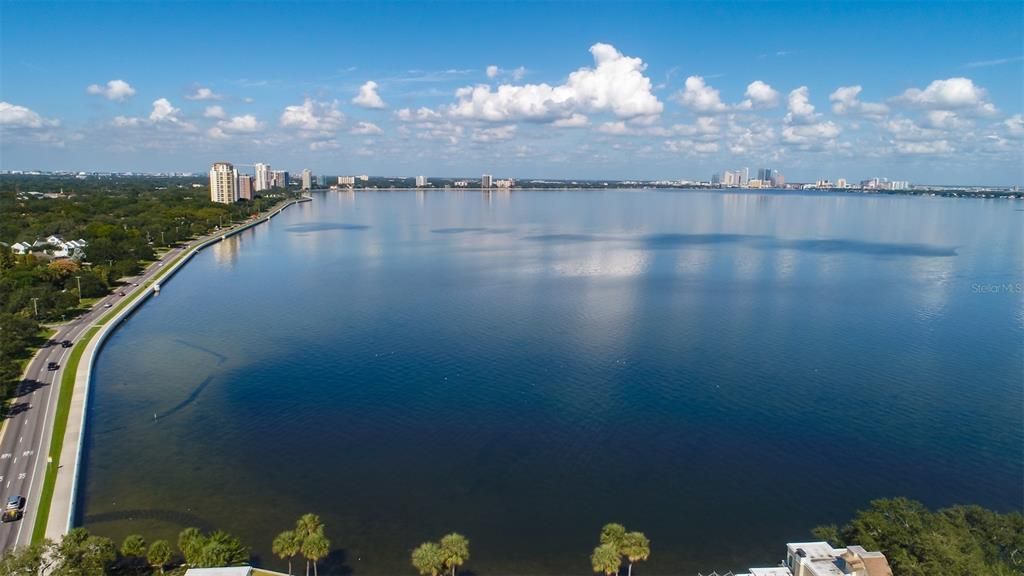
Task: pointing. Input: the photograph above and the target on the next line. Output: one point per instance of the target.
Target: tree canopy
(955, 541)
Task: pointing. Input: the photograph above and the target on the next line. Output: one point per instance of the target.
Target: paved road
(25, 438)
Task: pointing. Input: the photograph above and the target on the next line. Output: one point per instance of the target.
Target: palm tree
(428, 559)
(133, 548)
(454, 550)
(286, 545)
(606, 559)
(613, 534)
(308, 525)
(635, 547)
(190, 542)
(305, 528)
(315, 547)
(159, 554)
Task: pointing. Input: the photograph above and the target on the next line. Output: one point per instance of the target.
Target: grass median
(60, 425)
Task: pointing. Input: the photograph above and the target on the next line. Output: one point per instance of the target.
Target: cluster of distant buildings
(228, 186)
(486, 181)
(54, 246)
(769, 178)
(740, 178)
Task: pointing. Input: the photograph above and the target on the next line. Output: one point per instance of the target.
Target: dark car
(121, 293)
(11, 516)
(15, 503)
(65, 344)
(52, 366)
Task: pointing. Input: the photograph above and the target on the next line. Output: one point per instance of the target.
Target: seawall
(64, 504)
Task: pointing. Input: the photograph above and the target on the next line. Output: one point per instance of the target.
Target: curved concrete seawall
(64, 504)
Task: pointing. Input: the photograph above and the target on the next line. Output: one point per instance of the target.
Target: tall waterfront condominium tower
(245, 187)
(307, 179)
(262, 177)
(279, 179)
(222, 183)
(486, 181)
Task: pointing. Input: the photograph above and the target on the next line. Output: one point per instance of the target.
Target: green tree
(28, 560)
(287, 545)
(635, 547)
(133, 548)
(315, 547)
(82, 554)
(454, 550)
(956, 541)
(222, 549)
(306, 528)
(134, 545)
(190, 543)
(159, 554)
(613, 534)
(428, 559)
(606, 559)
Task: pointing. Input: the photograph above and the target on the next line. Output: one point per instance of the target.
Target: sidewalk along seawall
(65, 490)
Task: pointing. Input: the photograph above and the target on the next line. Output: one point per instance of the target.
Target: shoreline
(59, 496)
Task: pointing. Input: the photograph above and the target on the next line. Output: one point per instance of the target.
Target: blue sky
(924, 91)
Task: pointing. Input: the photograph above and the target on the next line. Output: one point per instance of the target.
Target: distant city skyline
(673, 91)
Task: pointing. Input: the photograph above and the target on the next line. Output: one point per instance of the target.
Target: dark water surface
(723, 371)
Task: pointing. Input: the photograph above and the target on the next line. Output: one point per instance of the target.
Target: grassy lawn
(60, 425)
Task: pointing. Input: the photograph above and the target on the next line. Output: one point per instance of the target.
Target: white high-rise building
(307, 179)
(486, 181)
(222, 183)
(421, 181)
(262, 177)
(279, 179)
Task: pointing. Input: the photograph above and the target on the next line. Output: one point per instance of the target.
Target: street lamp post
(35, 307)
(79, 279)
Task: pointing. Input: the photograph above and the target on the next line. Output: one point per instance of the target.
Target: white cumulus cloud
(615, 84)
(574, 121)
(700, 97)
(366, 129)
(950, 94)
(492, 71)
(246, 124)
(368, 96)
(800, 110)
(420, 115)
(759, 96)
(313, 116)
(117, 90)
(14, 116)
(214, 112)
(846, 100)
(163, 111)
(1015, 125)
(203, 94)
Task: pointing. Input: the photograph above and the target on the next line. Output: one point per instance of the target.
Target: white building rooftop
(233, 571)
(777, 571)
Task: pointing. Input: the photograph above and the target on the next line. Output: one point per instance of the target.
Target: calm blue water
(723, 371)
